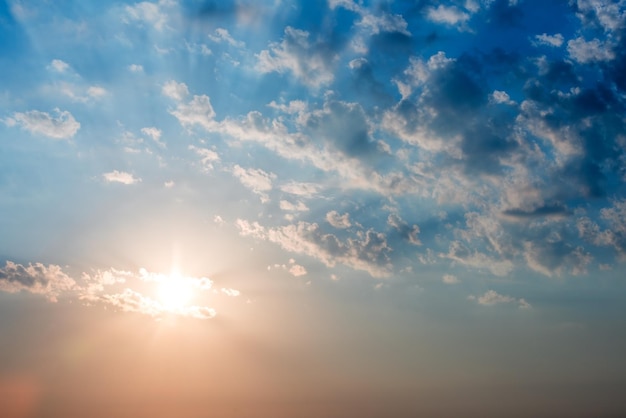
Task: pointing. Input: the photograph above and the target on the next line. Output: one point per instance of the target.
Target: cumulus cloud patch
(60, 126)
(491, 297)
(310, 62)
(122, 177)
(49, 281)
(368, 251)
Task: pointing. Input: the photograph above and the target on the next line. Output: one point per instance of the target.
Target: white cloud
(338, 221)
(135, 68)
(292, 268)
(208, 156)
(293, 207)
(230, 292)
(610, 14)
(450, 279)
(589, 51)
(123, 177)
(367, 252)
(306, 190)
(49, 281)
(307, 62)
(447, 15)
(155, 134)
(500, 97)
(491, 297)
(383, 23)
(555, 40)
(147, 12)
(294, 106)
(96, 92)
(59, 66)
(222, 35)
(463, 255)
(254, 179)
(297, 270)
(63, 126)
(175, 90)
(198, 111)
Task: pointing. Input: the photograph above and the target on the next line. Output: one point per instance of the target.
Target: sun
(174, 292)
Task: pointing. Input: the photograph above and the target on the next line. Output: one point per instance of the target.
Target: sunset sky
(339, 208)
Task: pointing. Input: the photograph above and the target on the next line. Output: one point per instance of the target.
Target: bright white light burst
(175, 292)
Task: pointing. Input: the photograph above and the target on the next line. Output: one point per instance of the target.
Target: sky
(330, 208)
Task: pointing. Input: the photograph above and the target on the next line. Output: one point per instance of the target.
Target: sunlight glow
(175, 292)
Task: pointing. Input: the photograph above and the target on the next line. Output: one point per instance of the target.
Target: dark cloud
(49, 281)
(485, 144)
(555, 209)
(344, 126)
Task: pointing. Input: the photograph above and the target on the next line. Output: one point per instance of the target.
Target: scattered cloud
(555, 40)
(589, 51)
(338, 221)
(447, 15)
(123, 177)
(311, 63)
(175, 90)
(63, 126)
(49, 281)
(255, 179)
(58, 66)
(368, 251)
(222, 35)
(450, 279)
(135, 68)
(491, 297)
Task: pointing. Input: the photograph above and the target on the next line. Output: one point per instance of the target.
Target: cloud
(230, 292)
(338, 221)
(293, 207)
(464, 255)
(222, 35)
(589, 51)
(132, 301)
(59, 66)
(555, 40)
(311, 63)
(500, 97)
(149, 13)
(198, 111)
(255, 179)
(96, 92)
(450, 279)
(49, 281)
(155, 134)
(297, 270)
(306, 190)
(447, 15)
(135, 68)
(407, 232)
(491, 297)
(368, 251)
(175, 90)
(208, 156)
(123, 177)
(292, 267)
(63, 126)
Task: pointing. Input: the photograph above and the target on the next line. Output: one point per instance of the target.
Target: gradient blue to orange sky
(333, 208)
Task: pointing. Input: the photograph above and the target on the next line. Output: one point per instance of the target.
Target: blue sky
(378, 173)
